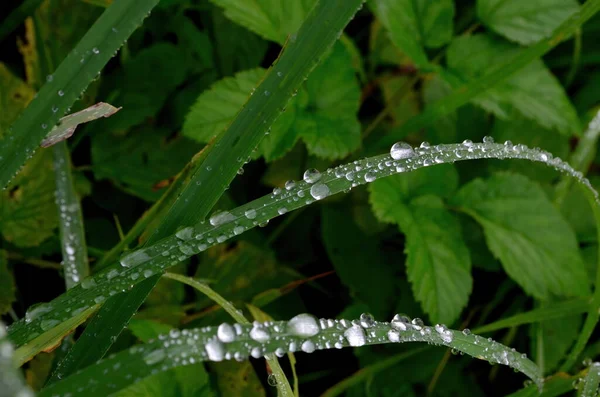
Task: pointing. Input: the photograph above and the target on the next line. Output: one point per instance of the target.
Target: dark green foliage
(268, 89)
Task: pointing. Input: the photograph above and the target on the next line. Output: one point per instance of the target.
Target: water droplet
(367, 320)
(350, 176)
(61, 93)
(289, 185)
(370, 176)
(238, 230)
(282, 210)
(267, 93)
(355, 335)
(488, 139)
(99, 299)
(466, 331)
(88, 283)
(226, 333)
(467, 143)
(49, 78)
(95, 51)
(112, 274)
(400, 322)
(134, 258)
(220, 218)
(155, 357)
(308, 346)
(276, 191)
(250, 214)
(319, 191)
(393, 336)
(272, 379)
(311, 175)
(185, 233)
(303, 325)
(259, 334)
(35, 311)
(401, 150)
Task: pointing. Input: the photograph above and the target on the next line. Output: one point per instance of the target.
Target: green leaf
(414, 25)
(438, 262)
(272, 19)
(189, 381)
(7, 285)
(146, 330)
(525, 21)
(323, 114)
(67, 83)
(558, 337)
(138, 161)
(237, 379)
(350, 250)
(533, 91)
(526, 232)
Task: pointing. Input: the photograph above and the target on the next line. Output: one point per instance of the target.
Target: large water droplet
(221, 217)
(308, 346)
(370, 176)
(226, 333)
(311, 175)
(259, 334)
(250, 214)
(303, 325)
(367, 320)
(401, 150)
(355, 335)
(134, 258)
(88, 282)
(35, 311)
(319, 191)
(215, 350)
(185, 233)
(289, 185)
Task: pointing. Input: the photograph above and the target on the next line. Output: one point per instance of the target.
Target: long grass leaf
(66, 84)
(16, 17)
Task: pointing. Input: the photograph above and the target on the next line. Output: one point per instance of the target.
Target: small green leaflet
(533, 91)
(323, 114)
(416, 24)
(525, 21)
(536, 246)
(438, 262)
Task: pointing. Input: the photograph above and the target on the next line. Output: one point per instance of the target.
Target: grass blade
(219, 163)
(588, 386)
(154, 259)
(12, 21)
(190, 346)
(71, 78)
(467, 92)
(11, 380)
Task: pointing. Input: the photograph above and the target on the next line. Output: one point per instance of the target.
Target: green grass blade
(156, 258)
(15, 18)
(190, 346)
(11, 380)
(470, 90)
(72, 234)
(220, 162)
(588, 386)
(282, 383)
(554, 311)
(74, 74)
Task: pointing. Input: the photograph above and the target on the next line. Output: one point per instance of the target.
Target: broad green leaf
(323, 114)
(438, 262)
(533, 91)
(407, 106)
(7, 285)
(576, 210)
(351, 252)
(526, 232)
(272, 19)
(188, 381)
(525, 21)
(416, 24)
(140, 160)
(518, 129)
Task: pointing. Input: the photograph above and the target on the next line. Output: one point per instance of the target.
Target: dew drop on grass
(250, 214)
(393, 336)
(311, 175)
(308, 346)
(259, 334)
(367, 320)
(221, 217)
(319, 191)
(370, 176)
(401, 150)
(185, 233)
(282, 210)
(303, 325)
(289, 185)
(35, 311)
(61, 93)
(238, 230)
(155, 357)
(355, 335)
(88, 283)
(112, 274)
(134, 258)
(226, 333)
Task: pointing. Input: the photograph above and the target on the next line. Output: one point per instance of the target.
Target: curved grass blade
(303, 333)
(220, 162)
(74, 74)
(467, 92)
(11, 381)
(15, 18)
(149, 261)
(283, 386)
(588, 386)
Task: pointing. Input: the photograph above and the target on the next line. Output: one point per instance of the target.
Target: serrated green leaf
(140, 160)
(350, 250)
(438, 262)
(533, 91)
(323, 114)
(272, 19)
(7, 285)
(188, 381)
(525, 21)
(414, 25)
(526, 232)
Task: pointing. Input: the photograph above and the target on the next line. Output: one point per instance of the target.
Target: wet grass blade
(152, 260)
(470, 90)
(240, 341)
(219, 163)
(72, 77)
(15, 18)
(11, 380)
